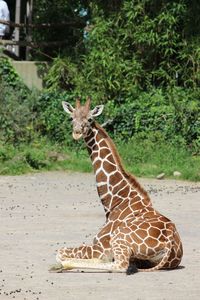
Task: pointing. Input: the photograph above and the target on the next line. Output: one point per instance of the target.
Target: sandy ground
(42, 212)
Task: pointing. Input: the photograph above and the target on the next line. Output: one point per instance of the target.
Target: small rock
(161, 176)
(177, 173)
(56, 156)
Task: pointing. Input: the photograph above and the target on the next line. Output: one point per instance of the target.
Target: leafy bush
(173, 114)
(26, 114)
(52, 120)
(69, 37)
(186, 120)
(17, 115)
(142, 44)
(61, 75)
(8, 75)
(36, 159)
(150, 157)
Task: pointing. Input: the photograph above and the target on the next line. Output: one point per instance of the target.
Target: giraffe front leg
(122, 252)
(82, 252)
(114, 259)
(100, 262)
(83, 256)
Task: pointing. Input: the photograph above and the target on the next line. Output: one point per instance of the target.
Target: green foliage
(191, 62)
(25, 115)
(106, 72)
(150, 157)
(17, 115)
(36, 159)
(186, 119)
(142, 44)
(140, 58)
(145, 158)
(52, 121)
(41, 155)
(8, 75)
(16, 105)
(174, 114)
(61, 75)
(69, 37)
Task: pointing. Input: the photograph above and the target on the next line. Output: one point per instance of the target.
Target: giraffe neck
(114, 184)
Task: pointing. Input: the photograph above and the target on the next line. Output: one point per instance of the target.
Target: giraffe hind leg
(165, 255)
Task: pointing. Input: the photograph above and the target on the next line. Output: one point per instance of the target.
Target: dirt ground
(40, 213)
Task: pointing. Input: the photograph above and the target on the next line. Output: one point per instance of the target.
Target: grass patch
(41, 156)
(143, 158)
(149, 158)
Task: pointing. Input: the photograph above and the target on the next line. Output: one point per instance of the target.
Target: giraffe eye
(90, 120)
(70, 118)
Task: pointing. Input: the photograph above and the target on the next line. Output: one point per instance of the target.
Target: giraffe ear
(97, 111)
(67, 107)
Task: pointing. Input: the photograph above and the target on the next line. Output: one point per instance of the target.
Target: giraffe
(135, 237)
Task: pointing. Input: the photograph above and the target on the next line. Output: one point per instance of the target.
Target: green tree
(69, 37)
(142, 44)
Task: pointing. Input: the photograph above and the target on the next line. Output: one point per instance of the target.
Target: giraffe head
(81, 116)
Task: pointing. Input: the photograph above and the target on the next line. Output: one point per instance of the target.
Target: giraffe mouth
(77, 136)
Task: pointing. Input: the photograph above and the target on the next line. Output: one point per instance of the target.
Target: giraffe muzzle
(77, 136)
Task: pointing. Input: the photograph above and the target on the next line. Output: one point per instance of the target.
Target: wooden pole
(17, 29)
(29, 10)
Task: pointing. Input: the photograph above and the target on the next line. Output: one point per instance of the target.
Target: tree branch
(44, 25)
(31, 44)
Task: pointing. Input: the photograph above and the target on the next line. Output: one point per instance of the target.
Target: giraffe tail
(165, 258)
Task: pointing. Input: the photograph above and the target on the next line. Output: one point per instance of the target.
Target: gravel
(42, 212)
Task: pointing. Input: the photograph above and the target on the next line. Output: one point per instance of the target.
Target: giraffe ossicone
(135, 236)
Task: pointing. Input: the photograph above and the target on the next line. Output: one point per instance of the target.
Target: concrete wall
(30, 73)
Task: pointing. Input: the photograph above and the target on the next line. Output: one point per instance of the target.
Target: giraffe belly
(157, 257)
(151, 255)
(153, 258)
(146, 262)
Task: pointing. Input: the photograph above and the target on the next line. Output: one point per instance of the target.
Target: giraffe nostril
(77, 134)
(77, 131)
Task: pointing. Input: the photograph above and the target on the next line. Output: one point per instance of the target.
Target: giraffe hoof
(56, 268)
(131, 269)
